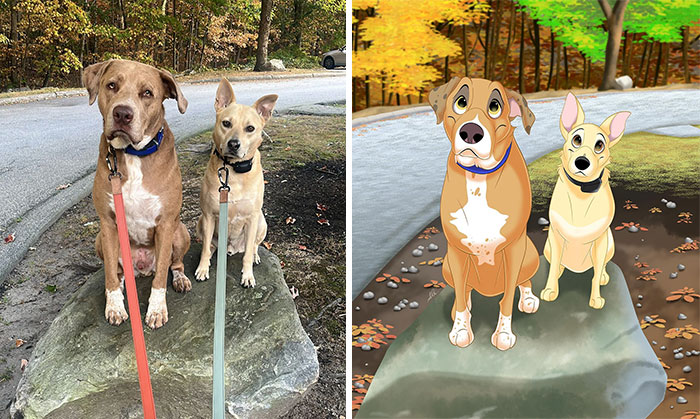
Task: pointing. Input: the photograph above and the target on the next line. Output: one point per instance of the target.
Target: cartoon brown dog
(582, 205)
(485, 203)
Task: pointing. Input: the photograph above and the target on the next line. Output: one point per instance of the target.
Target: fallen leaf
(321, 207)
(281, 264)
(323, 221)
(302, 247)
(267, 245)
(10, 238)
(62, 187)
(291, 220)
(23, 364)
(19, 342)
(51, 288)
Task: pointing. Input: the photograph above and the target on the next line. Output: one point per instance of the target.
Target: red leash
(115, 178)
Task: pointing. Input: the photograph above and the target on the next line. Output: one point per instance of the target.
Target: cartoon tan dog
(237, 136)
(582, 204)
(485, 203)
(130, 96)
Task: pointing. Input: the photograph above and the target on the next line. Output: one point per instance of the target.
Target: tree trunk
(638, 77)
(383, 90)
(614, 18)
(536, 28)
(585, 71)
(509, 40)
(646, 72)
(566, 70)
(556, 75)
(174, 46)
(494, 39)
(686, 70)
(298, 25)
(367, 98)
(667, 47)
(485, 45)
(521, 63)
(450, 29)
(14, 37)
(658, 64)
(261, 63)
(552, 54)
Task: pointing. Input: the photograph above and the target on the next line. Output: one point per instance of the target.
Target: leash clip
(223, 179)
(112, 164)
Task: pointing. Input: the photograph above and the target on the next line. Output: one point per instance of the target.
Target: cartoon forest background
(401, 49)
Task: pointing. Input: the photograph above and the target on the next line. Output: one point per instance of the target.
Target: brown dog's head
(130, 96)
(477, 115)
(238, 130)
(586, 149)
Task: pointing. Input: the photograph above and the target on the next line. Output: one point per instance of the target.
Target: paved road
(53, 142)
(398, 165)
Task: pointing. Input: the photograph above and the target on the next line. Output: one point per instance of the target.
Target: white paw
(503, 338)
(115, 313)
(248, 280)
(257, 257)
(461, 334)
(157, 314)
(528, 303)
(202, 272)
(181, 283)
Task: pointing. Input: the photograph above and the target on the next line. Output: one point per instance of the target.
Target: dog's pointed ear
(438, 98)
(518, 107)
(265, 105)
(224, 95)
(91, 78)
(614, 126)
(571, 116)
(172, 90)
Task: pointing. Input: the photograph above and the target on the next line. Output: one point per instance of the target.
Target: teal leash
(219, 386)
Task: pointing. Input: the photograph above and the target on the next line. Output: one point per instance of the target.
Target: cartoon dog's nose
(123, 114)
(582, 163)
(234, 144)
(471, 133)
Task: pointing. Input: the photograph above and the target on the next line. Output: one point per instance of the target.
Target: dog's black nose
(582, 163)
(234, 144)
(471, 133)
(123, 114)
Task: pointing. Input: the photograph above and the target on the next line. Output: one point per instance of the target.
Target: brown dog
(485, 203)
(130, 97)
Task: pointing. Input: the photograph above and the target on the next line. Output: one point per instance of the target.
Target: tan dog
(237, 136)
(130, 97)
(485, 203)
(582, 205)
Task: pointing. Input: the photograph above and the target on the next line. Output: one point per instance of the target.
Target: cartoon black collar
(586, 187)
(239, 166)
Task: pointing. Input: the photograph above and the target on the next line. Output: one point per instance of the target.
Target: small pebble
(357, 308)
(542, 221)
(392, 284)
(640, 297)
(653, 342)
(414, 304)
(366, 348)
(682, 316)
(405, 301)
(681, 400)
(681, 267)
(670, 407)
(688, 240)
(421, 247)
(688, 353)
(382, 300)
(675, 351)
(647, 319)
(359, 385)
(639, 305)
(671, 204)
(437, 263)
(402, 305)
(397, 308)
(404, 269)
(417, 252)
(636, 257)
(633, 229)
(663, 348)
(361, 340)
(368, 295)
(678, 356)
(673, 275)
(432, 247)
(695, 352)
(664, 200)
(412, 269)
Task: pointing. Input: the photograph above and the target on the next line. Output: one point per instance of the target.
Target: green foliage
(295, 57)
(661, 20)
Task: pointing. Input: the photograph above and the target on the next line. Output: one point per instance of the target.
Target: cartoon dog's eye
(460, 105)
(494, 109)
(226, 124)
(250, 128)
(576, 141)
(111, 85)
(599, 146)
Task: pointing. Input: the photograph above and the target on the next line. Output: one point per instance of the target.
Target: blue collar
(150, 148)
(480, 171)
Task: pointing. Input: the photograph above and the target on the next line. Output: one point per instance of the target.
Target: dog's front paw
(528, 303)
(157, 314)
(549, 294)
(604, 278)
(248, 280)
(202, 272)
(596, 302)
(257, 257)
(115, 313)
(181, 283)
(503, 338)
(461, 334)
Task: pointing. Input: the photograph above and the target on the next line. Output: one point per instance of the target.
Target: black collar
(586, 187)
(239, 166)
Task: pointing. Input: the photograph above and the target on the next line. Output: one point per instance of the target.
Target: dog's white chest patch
(479, 223)
(140, 206)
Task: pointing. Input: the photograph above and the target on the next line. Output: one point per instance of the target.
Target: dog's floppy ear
(571, 116)
(518, 107)
(173, 91)
(91, 78)
(614, 126)
(224, 95)
(265, 105)
(438, 97)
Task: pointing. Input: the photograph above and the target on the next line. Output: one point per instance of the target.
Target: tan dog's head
(586, 149)
(477, 115)
(238, 130)
(130, 96)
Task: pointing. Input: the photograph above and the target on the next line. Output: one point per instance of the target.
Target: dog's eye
(147, 93)
(599, 146)
(494, 109)
(111, 85)
(250, 128)
(576, 141)
(460, 105)
(226, 124)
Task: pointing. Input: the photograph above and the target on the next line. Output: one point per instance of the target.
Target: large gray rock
(85, 368)
(569, 360)
(277, 65)
(625, 82)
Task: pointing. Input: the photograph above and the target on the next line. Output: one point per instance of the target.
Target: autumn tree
(261, 62)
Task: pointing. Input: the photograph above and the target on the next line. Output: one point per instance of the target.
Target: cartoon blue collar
(480, 171)
(150, 148)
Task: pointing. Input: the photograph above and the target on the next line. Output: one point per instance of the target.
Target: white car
(333, 59)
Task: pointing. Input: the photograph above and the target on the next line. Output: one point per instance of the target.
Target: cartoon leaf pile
(373, 333)
(686, 332)
(654, 320)
(687, 294)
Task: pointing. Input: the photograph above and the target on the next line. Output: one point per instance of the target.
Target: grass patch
(641, 162)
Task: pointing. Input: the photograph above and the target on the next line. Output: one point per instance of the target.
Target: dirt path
(304, 167)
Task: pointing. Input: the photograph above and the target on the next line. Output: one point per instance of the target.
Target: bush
(294, 57)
